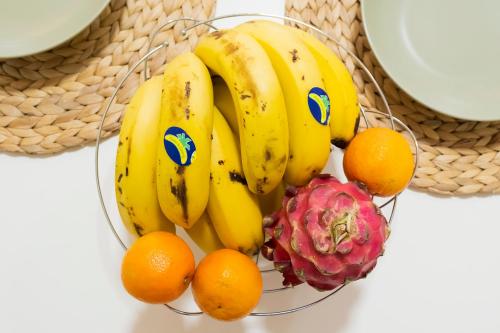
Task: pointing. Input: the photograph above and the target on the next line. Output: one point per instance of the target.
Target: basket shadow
(156, 319)
(334, 313)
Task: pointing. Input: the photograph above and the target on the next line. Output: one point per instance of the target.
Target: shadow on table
(333, 313)
(156, 319)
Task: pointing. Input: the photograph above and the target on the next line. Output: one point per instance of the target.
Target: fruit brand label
(179, 146)
(319, 105)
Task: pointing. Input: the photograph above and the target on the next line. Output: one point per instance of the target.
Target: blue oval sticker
(319, 105)
(179, 146)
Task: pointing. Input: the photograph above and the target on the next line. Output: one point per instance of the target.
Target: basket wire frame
(144, 60)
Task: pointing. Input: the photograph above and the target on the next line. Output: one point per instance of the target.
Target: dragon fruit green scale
(326, 234)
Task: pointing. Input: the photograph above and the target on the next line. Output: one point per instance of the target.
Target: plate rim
(377, 53)
(66, 35)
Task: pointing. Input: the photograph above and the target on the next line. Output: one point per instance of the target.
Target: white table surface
(60, 265)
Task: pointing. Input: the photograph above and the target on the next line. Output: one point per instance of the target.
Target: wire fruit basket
(104, 176)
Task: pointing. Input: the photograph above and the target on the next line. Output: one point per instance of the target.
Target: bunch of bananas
(212, 154)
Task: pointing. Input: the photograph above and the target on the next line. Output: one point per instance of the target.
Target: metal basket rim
(393, 120)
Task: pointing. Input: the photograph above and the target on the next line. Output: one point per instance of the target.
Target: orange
(158, 267)
(381, 159)
(227, 285)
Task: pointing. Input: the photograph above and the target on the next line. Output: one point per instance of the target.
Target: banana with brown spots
(183, 146)
(259, 104)
(339, 86)
(307, 103)
(233, 209)
(135, 172)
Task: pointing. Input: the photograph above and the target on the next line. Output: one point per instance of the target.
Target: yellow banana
(233, 209)
(224, 102)
(271, 202)
(258, 101)
(339, 86)
(307, 102)
(204, 234)
(136, 161)
(183, 155)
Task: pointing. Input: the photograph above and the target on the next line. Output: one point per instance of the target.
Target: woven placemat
(457, 157)
(53, 100)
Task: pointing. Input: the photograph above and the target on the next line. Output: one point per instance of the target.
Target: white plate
(445, 54)
(31, 26)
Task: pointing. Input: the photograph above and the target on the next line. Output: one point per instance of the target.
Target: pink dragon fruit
(326, 234)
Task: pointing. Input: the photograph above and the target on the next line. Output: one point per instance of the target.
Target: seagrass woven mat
(52, 101)
(457, 157)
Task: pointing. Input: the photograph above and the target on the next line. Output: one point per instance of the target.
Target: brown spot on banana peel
(180, 192)
(217, 34)
(356, 125)
(314, 172)
(268, 155)
(294, 54)
(230, 48)
(126, 171)
(302, 78)
(130, 212)
(120, 177)
(220, 162)
(187, 89)
(181, 169)
(342, 143)
(187, 112)
(324, 176)
(245, 96)
(283, 160)
(129, 148)
(263, 106)
(246, 78)
(237, 177)
(138, 229)
(260, 185)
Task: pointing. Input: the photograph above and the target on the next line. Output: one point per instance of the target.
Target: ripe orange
(381, 159)
(227, 285)
(158, 267)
